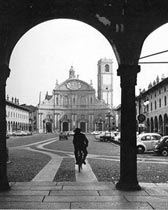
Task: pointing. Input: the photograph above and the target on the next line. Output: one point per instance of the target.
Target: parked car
(63, 135)
(19, 133)
(108, 136)
(147, 141)
(95, 132)
(161, 147)
(117, 136)
(70, 133)
(99, 135)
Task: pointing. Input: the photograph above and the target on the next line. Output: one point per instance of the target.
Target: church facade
(73, 103)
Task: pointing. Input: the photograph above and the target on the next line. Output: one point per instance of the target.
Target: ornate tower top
(71, 73)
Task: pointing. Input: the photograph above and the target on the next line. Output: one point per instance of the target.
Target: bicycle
(80, 159)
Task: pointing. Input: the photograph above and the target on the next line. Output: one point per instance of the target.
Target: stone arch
(148, 125)
(161, 130)
(165, 124)
(125, 33)
(155, 124)
(152, 124)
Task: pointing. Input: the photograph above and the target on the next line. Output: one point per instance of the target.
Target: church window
(65, 100)
(56, 100)
(83, 101)
(106, 68)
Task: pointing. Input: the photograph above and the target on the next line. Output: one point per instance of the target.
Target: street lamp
(107, 94)
(109, 116)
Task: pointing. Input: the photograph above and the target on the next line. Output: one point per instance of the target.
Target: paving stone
(74, 192)
(83, 198)
(146, 198)
(159, 204)
(34, 205)
(25, 192)
(91, 187)
(86, 184)
(157, 191)
(37, 183)
(110, 205)
(36, 188)
(21, 198)
(117, 192)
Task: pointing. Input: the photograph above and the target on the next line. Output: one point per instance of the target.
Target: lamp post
(107, 95)
(142, 113)
(109, 116)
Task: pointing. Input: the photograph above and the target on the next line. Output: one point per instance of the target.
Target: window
(56, 100)
(165, 101)
(151, 106)
(146, 138)
(155, 137)
(155, 105)
(160, 102)
(106, 68)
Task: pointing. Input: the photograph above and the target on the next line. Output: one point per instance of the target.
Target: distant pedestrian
(80, 142)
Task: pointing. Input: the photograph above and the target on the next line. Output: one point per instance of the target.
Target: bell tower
(105, 81)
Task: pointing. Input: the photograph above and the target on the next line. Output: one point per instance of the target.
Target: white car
(117, 136)
(147, 141)
(102, 133)
(95, 132)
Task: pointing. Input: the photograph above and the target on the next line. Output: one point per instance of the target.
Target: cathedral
(73, 103)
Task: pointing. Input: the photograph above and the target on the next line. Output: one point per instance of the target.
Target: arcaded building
(153, 104)
(73, 103)
(17, 116)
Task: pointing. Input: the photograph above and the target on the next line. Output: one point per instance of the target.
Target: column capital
(4, 72)
(128, 74)
(128, 70)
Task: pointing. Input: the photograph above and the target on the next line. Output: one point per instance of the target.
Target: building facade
(73, 103)
(32, 117)
(153, 105)
(17, 116)
(105, 81)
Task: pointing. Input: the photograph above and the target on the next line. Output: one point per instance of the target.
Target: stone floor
(78, 195)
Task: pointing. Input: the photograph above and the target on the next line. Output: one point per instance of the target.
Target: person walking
(80, 142)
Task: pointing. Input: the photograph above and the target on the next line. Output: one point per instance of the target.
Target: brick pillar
(128, 152)
(4, 74)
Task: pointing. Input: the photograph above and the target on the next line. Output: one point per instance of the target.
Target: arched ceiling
(125, 23)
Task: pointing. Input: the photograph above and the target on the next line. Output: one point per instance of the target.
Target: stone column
(4, 74)
(128, 152)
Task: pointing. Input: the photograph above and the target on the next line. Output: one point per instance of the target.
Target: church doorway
(65, 126)
(83, 126)
(48, 127)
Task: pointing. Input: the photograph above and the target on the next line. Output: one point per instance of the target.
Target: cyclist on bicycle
(80, 143)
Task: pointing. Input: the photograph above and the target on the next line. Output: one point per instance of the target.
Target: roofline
(164, 81)
(17, 106)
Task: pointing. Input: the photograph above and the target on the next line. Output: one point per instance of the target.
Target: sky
(46, 52)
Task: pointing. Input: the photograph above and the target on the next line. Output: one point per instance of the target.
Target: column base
(4, 186)
(129, 186)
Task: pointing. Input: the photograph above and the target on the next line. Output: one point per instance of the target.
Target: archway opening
(42, 59)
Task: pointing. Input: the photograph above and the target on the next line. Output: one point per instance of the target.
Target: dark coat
(80, 141)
